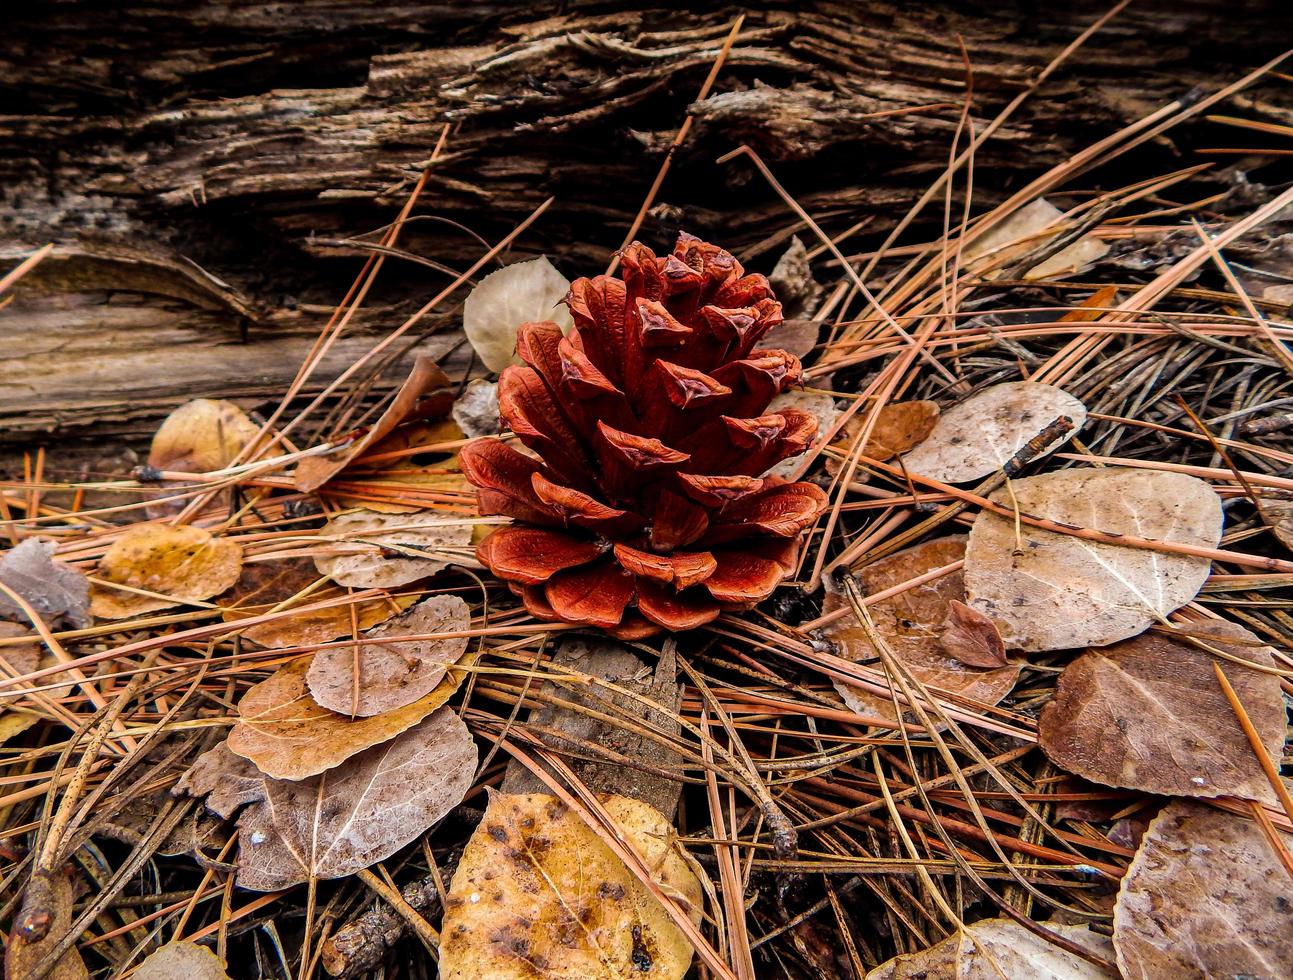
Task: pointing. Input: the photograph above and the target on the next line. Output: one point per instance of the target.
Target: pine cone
(645, 508)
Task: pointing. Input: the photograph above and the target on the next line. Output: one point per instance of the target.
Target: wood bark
(211, 172)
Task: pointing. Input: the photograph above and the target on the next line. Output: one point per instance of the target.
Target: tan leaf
(900, 426)
(366, 541)
(314, 471)
(279, 586)
(391, 675)
(201, 436)
(227, 780)
(476, 409)
(55, 913)
(522, 292)
(182, 961)
(538, 893)
(58, 592)
(798, 336)
(1001, 949)
(289, 736)
(1026, 227)
(911, 624)
(1052, 591)
(970, 637)
(182, 564)
(359, 813)
(1204, 897)
(981, 434)
(1148, 714)
(1279, 513)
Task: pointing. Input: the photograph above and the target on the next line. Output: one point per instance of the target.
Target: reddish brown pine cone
(645, 508)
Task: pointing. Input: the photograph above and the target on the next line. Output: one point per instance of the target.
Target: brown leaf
(314, 471)
(1279, 514)
(359, 813)
(21, 657)
(970, 637)
(1052, 591)
(181, 563)
(201, 436)
(58, 592)
(52, 906)
(911, 623)
(270, 586)
(1000, 949)
(289, 736)
(365, 538)
(391, 675)
(185, 960)
(227, 780)
(1148, 714)
(1204, 897)
(981, 434)
(538, 893)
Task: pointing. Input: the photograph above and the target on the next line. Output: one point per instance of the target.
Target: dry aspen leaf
(185, 960)
(226, 779)
(799, 337)
(980, 435)
(392, 675)
(183, 564)
(1148, 714)
(911, 623)
(57, 592)
(1001, 949)
(368, 542)
(820, 406)
(289, 736)
(265, 586)
(899, 427)
(22, 953)
(476, 410)
(1025, 227)
(971, 637)
(538, 893)
(1052, 591)
(201, 436)
(314, 471)
(523, 292)
(1204, 897)
(362, 812)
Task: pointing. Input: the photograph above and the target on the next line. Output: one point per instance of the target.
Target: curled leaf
(381, 551)
(1204, 897)
(181, 564)
(57, 592)
(539, 893)
(522, 292)
(970, 637)
(383, 676)
(983, 433)
(1148, 714)
(1051, 591)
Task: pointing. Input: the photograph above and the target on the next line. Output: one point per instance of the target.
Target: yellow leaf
(182, 564)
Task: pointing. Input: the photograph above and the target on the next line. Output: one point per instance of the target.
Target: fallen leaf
(426, 377)
(369, 542)
(348, 818)
(970, 637)
(981, 434)
(1204, 897)
(201, 436)
(522, 292)
(23, 658)
(391, 675)
(476, 410)
(289, 736)
(183, 564)
(23, 952)
(58, 592)
(1001, 949)
(185, 960)
(1024, 227)
(911, 624)
(1279, 515)
(1052, 591)
(226, 779)
(265, 586)
(820, 406)
(796, 336)
(538, 893)
(1148, 714)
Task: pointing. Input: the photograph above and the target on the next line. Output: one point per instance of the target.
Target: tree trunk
(206, 167)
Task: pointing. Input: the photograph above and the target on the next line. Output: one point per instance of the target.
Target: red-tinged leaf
(679, 568)
(971, 637)
(583, 510)
(594, 594)
(502, 477)
(678, 521)
(742, 577)
(675, 610)
(531, 554)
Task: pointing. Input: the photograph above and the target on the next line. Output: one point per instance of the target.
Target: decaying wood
(206, 169)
